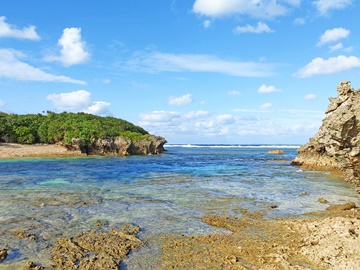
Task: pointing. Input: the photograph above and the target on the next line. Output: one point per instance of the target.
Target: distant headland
(73, 134)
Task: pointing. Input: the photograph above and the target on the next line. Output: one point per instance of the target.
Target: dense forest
(53, 127)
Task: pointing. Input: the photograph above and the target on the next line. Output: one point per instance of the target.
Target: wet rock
(3, 254)
(342, 207)
(322, 200)
(95, 249)
(276, 152)
(32, 266)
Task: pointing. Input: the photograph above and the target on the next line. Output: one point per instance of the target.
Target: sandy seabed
(328, 240)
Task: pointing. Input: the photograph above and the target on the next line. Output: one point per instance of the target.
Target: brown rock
(342, 207)
(336, 145)
(3, 254)
(276, 152)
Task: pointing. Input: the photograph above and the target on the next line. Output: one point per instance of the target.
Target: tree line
(53, 128)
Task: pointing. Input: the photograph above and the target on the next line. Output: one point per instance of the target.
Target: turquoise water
(163, 194)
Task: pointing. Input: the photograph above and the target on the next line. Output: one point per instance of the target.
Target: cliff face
(336, 146)
(120, 146)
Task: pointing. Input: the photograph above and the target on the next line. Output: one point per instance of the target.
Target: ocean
(162, 194)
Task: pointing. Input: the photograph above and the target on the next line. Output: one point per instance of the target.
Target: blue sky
(192, 71)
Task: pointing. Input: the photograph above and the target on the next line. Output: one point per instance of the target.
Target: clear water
(163, 194)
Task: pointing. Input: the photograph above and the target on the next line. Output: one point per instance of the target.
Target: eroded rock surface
(95, 249)
(336, 146)
(120, 146)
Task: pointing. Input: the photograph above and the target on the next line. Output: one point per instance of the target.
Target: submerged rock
(336, 145)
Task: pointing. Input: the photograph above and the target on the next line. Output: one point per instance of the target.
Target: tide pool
(169, 193)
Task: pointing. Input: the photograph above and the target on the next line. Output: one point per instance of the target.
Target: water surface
(163, 194)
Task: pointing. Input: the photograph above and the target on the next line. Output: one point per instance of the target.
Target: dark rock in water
(336, 145)
(3, 254)
(120, 146)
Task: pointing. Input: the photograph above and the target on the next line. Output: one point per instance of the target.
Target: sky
(192, 71)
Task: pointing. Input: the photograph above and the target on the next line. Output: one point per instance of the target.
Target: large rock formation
(120, 146)
(336, 146)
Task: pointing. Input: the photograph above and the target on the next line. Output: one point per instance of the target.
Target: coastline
(325, 240)
(14, 150)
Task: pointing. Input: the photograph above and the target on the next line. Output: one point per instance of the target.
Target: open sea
(162, 194)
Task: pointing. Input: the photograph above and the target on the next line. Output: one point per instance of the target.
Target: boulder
(336, 145)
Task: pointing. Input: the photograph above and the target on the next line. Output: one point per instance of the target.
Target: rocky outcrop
(336, 145)
(120, 146)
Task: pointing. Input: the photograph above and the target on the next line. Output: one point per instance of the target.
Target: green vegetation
(63, 127)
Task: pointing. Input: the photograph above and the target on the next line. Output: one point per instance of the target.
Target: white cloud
(226, 119)
(320, 66)
(7, 30)
(180, 101)
(195, 114)
(73, 48)
(166, 62)
(310, 96)
(259, 8)
(234, 93)
(79, 101)
(264, 89)
(99, 108)
(332, 35)
(266, 105)
(207, 24)
(323, 6)
(179, 128)
(13, 68)
(336, 47)
(299, 21)
(258, 29)
(158, 118)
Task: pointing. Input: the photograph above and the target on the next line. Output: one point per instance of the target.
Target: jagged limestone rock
(336, 145)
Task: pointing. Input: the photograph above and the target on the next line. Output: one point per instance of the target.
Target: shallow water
(163, 194)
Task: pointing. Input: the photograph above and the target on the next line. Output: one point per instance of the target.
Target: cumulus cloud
(320, 66)
(13, 68)
(187, 127)
(79, 101)
(336, 47)
(11, 31)
(264, 89)
(258, 29)
(323, 6)
(180, 101)
(333, 35)
(166, 62)
(73, 48)
(266, 105)
(259, 9)
(310, 96)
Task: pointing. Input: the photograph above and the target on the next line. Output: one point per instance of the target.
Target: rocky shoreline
(336, 146)
(102, 147)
